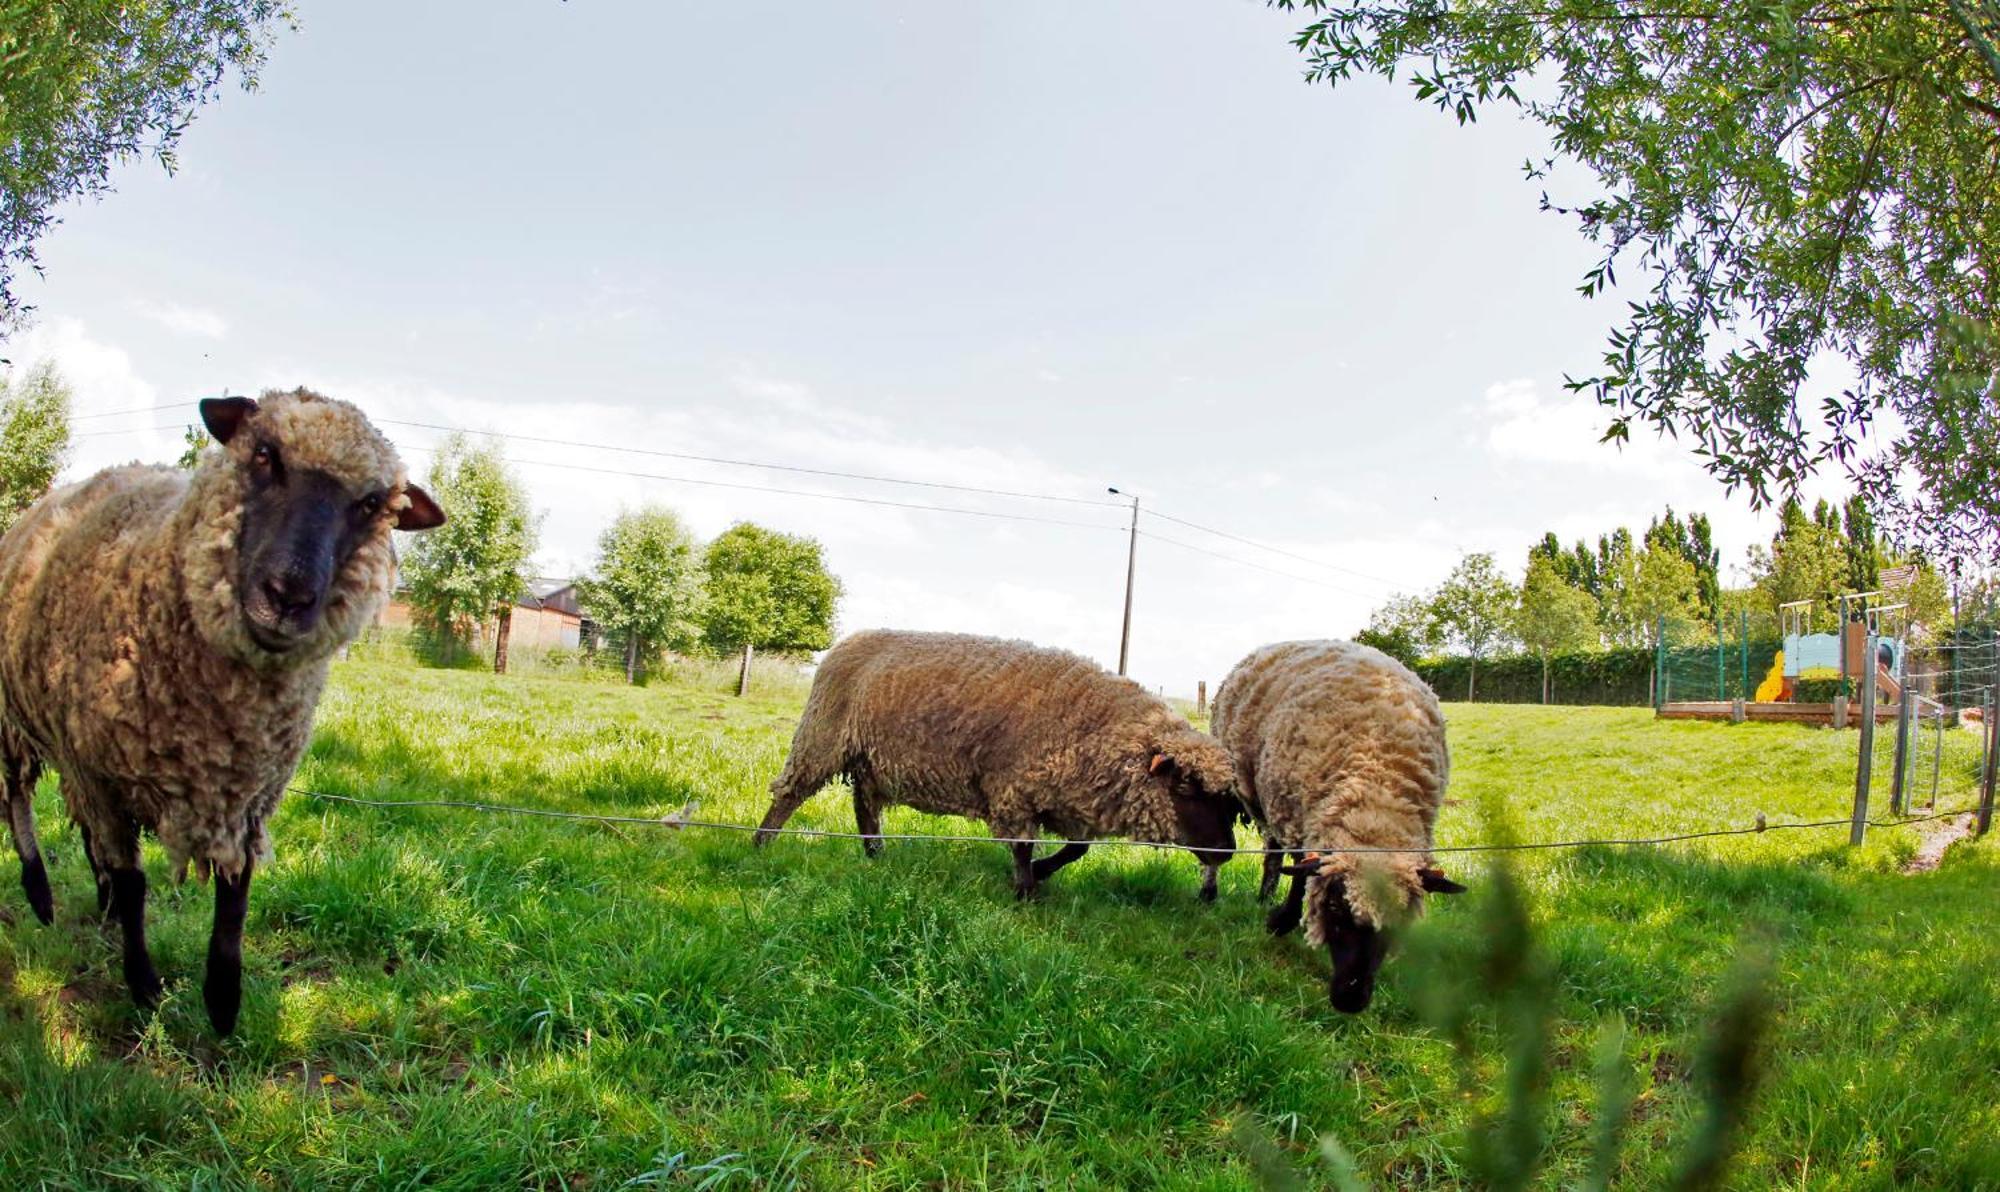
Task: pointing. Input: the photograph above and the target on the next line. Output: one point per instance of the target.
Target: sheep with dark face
(1339, 746)
(164, 636)
(1024, 738)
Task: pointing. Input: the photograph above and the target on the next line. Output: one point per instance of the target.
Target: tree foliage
(1783, 182)
(648, 584)
(1555, 616)
(1404, 629)
(768, 590)
(476, 563)
(34, 438)
(1474, 610)
(85, 84)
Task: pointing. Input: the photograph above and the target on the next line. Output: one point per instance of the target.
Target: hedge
(1618, 678)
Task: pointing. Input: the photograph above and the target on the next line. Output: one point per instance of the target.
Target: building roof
(556, 595)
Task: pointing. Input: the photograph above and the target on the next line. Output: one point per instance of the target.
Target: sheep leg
(1209, 874)
(788, 794)
(1024, 871)
(97, 872)
(867, 816)
(1285, 917)
(1273, 862)
(1056, 860)
(128, 906)
(21, 819)
(222, 988)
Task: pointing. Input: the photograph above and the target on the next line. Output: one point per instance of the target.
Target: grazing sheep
(164, 636)
(1339, 746)
(1021, 737)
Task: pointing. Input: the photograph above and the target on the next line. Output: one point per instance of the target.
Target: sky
(1038, 247)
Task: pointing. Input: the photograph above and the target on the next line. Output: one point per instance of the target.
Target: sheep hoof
(224, 998)
(35, 883)
(145, 988)
(1282, 920)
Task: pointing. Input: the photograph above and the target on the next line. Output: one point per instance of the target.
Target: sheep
(1019, 736)
(164, 635)
(1338, 745)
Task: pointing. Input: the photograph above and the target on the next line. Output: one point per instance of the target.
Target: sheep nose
(291, 594)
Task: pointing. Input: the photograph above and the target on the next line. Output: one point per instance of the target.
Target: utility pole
(1131, 569)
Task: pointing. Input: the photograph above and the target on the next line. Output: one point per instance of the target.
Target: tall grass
(466, 1001)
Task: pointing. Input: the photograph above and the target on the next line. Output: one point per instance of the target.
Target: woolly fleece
(1339, 745)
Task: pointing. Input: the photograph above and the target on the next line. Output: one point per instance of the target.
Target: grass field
(447, 999)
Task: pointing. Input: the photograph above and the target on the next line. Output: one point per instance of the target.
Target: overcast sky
(1037, 246)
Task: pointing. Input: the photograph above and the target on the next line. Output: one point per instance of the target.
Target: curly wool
(1339, 745)
(1019, 736)
(124, 656)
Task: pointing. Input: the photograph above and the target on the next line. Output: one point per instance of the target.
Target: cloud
(185, 320)
(1522, 423)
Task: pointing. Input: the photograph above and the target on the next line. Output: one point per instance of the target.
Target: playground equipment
(1866, 646)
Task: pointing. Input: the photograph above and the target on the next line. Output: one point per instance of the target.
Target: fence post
(1899, 795)
(1201, 697)
(1743, 641)
(743, 676)
(1864, 771)
(1721, 666)
(1660, 662)
(1992, 760)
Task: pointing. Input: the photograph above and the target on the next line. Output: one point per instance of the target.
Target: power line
(175, 405)
(799, 492)
(1181, 521)
(751, 463)
(127, 430)
(681, 819)
(1201, 550)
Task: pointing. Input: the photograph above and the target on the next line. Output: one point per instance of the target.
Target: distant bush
(1820, 690)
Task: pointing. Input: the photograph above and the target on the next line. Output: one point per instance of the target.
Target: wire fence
(683, 819)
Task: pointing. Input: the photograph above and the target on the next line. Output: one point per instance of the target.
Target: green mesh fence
(1727, 659)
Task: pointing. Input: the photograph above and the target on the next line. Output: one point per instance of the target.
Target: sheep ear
(1435, 882)
(1162, 764)
(223, 416)
(421, 513)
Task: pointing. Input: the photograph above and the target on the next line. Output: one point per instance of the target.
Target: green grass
(456, 1000)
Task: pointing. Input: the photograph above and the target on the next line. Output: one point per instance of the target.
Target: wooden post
(1864, 770)
(1737, 715)
(1898, 788)
(743, 676)
(1992, 761)
(1937, 759)
(631, 657)
(1201, 697)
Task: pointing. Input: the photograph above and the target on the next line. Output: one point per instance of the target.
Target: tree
(1663, 588)
(194, 441)
(34, 438)
(1554, 616)
(475, 565)
(767, 591)
(1474, 608)
(648, 585)
(1864, 553)
(1790, 178)
(1404, 629)
(1807, 560)
(85, 84)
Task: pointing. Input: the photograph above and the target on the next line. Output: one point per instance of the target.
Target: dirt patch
(1942, 834)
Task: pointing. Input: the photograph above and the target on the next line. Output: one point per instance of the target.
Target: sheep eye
(263, 457)
(370, 505)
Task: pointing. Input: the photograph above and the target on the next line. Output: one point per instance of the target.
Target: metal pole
(1992, 761)
(1131, 570)
(1898, 787)
(1744, 641)
(1660, 662)
(1865, 766)
(1937, 759)
(1721, 666)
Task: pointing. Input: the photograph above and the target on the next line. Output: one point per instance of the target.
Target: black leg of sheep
(1048, 865)
(128, 906)
(222, 990)
(1286, 916)
(868, 817)
(34, 874)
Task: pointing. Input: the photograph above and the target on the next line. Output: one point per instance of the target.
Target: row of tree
(1624, 591)
(655, 586)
